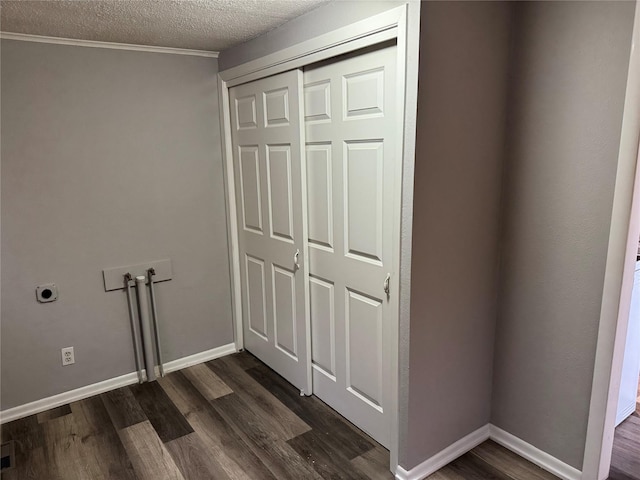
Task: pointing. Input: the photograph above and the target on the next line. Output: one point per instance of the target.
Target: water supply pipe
(154, 316)
(134, 327)
(147, 342)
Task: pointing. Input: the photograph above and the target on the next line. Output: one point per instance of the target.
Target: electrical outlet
(68, 357)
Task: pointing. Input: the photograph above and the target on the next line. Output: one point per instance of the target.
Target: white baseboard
(510, 442)
(533, 454)
(107, 385)
(201, 357)
(67, 397)
(445, 456)
(623, 413)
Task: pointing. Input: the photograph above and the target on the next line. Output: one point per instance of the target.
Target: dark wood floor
(231, 418)
(625, 458)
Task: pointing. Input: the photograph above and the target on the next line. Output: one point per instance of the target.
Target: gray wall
(464, 52)
(109, 158)
(464, 49)
(82, 128)
(569, 72)
(317, 22)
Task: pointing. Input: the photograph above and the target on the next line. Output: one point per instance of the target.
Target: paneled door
(350, 126)
(266, 123)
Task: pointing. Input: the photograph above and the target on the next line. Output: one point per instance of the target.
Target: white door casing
(269, 183)
(350, 159)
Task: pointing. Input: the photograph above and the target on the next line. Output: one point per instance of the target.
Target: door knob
(386, 284)
(296, 256)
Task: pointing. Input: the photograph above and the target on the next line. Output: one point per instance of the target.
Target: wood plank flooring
(231, 418)
(625, 458)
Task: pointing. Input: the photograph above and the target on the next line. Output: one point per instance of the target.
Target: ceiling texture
(211, 25)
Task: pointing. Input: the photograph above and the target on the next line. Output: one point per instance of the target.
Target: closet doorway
(315, 165)
(373, 263)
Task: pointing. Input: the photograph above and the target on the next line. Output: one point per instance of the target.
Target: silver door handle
(296, 256)
(386, 284)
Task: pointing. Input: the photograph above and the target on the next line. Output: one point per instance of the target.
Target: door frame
(403, 24)
(618, 280)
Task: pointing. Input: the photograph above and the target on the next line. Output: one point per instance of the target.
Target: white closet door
(628, 395)
(350, 135)
(267, 157)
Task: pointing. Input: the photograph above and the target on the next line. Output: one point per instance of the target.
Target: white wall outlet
(68, 357)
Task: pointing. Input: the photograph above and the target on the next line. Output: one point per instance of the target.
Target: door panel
(320, 195)
(364, 94)
(269, 175)
(280, 192)
(246, 112)
(284, 310)
(257, 311)
(349, 127)
(276, 107)
(323, 325)
(317, 102)
(363, 318)
(250, 188)
(363, 164)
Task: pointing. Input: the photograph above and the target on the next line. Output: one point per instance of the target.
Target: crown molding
(23, 37)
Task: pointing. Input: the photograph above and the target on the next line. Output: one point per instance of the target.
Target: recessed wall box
(114, 277)
(47, 293)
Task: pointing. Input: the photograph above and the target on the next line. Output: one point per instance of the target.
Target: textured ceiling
(194, 24)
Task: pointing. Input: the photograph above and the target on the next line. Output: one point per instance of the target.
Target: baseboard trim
(624, 413)
(201, 357)
(534, 454)
(107, 385)
(43, 404)
(445, 456)
(507, 440)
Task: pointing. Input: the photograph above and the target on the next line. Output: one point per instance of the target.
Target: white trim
(408, 45)
(23, 37)
(445, 456)
(371, 31)
(625, 412)
(107, 385)
(201, 357)
(612, 330)
(316, 56)
(232, 212)
(308, 391)
(408, 39)
(507, 440)
(67, 397)
(533, 454)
